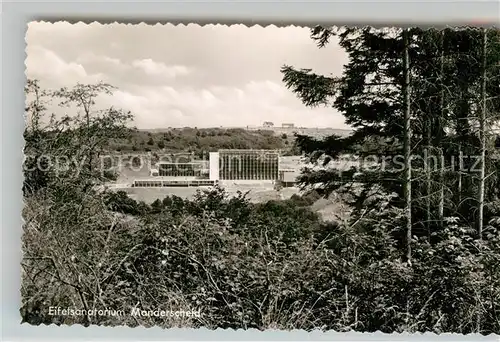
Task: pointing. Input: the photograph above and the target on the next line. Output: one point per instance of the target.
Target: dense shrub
(269, 265)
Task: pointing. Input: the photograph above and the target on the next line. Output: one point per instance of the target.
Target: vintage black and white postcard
(235, 177)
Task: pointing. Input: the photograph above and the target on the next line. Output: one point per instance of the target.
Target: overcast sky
(186, 75)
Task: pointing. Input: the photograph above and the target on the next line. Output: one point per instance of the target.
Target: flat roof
(247, 150)
(167, 178)
(172, 180)
(189, 163)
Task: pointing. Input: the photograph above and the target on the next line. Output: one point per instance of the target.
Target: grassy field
(149, 195)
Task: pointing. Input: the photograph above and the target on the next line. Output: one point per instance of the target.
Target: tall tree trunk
(442, 167)
(428, 172)
(482, 137)
(463, 134)
(440, 124)
(460, 167)
(86, 108)
(36, 111)
(407, 143)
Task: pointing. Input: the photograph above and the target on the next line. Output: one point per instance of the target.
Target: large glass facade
(248, 164)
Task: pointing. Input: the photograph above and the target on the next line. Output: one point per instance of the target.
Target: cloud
(89, 57)
(45, 64)
(153, 68)
(137, 72)
(221, 106)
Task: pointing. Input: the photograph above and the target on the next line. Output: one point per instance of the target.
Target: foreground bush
(272, 265)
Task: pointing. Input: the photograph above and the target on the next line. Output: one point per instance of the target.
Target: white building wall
(214, 166)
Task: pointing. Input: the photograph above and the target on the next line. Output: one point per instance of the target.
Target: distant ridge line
(246, 128)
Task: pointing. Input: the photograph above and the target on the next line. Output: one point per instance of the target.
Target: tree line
(200, 140)
(421, 92)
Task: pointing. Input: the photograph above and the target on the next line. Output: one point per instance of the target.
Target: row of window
(179, 170)
(159, 183)
(178, 173)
